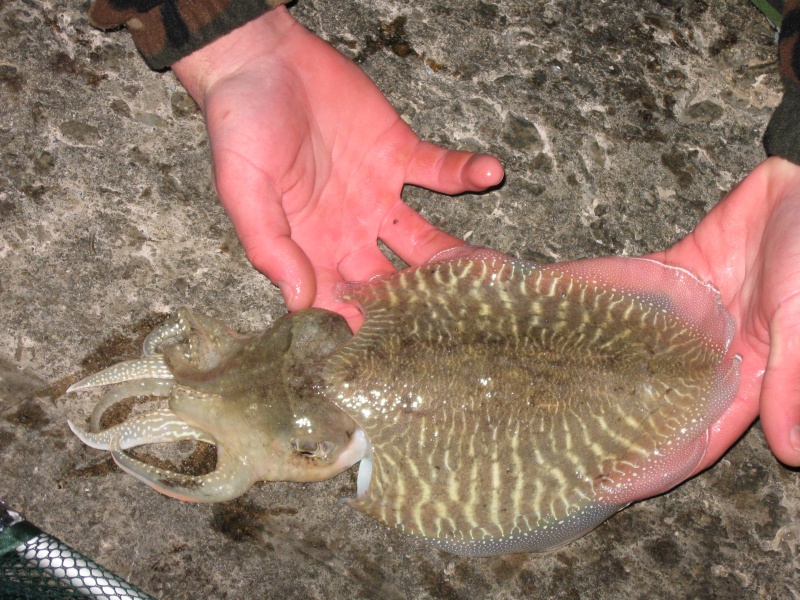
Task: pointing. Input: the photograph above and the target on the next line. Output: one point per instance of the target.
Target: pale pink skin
(748, 247)
(310, 160)
(309, 216)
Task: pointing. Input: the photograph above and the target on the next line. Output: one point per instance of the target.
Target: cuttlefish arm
(256, 398)
(163, 426)
(174, 328)
(155, 427)
(228, 480)
(148, 376)
(235, 471)
(207, 342)
(148, 367)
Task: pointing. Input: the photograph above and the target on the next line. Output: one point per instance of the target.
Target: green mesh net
(19, 579)
(37, 566)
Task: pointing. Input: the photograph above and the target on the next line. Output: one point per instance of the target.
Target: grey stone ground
(620, 124)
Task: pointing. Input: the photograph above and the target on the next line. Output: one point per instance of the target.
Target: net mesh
(20, 580)
(41, 567)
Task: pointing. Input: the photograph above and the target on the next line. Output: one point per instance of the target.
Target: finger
(413, 238)
(282, 261)
(780, 395)
(743, 411)
(329, 284)
(452, 171)
(254, 208)
(727, 430)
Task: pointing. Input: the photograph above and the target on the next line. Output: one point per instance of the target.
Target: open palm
(748, 247)
(310, 160)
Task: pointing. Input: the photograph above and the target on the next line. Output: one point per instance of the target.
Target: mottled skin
(495, 406)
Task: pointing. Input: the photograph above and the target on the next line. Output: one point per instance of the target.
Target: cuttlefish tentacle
(141, 387)
(149, 367)
(230, 479)
(158, 426)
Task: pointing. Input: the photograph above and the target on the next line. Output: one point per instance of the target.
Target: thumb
(780, 392)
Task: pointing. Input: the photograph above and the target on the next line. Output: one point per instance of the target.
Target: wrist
(201, 69)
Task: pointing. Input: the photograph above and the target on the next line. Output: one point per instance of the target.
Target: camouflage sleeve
(782, 137)
(167, 30)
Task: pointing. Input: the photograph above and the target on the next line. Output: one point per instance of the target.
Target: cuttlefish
(494, 405)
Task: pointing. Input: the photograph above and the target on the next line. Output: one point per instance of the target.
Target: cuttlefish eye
(314, 449)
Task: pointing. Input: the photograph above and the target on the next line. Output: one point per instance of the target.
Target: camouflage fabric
(782, 137)
(167, 30)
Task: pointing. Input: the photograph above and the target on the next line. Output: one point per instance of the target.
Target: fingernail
(287, 291)
(794, 437)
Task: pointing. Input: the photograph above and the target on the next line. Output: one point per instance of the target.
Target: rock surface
(620, 125)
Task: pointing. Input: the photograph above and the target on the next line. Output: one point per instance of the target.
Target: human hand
(748, 247)
(310, 160)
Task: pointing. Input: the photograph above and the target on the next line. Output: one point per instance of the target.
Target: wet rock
(704, 112)
(521, 134)
(183, 105)
(79, 132)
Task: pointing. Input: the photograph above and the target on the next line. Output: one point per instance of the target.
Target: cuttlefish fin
(229, 480)
(471, 253)
(151, 428)
(149, 367)
(450, 274)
